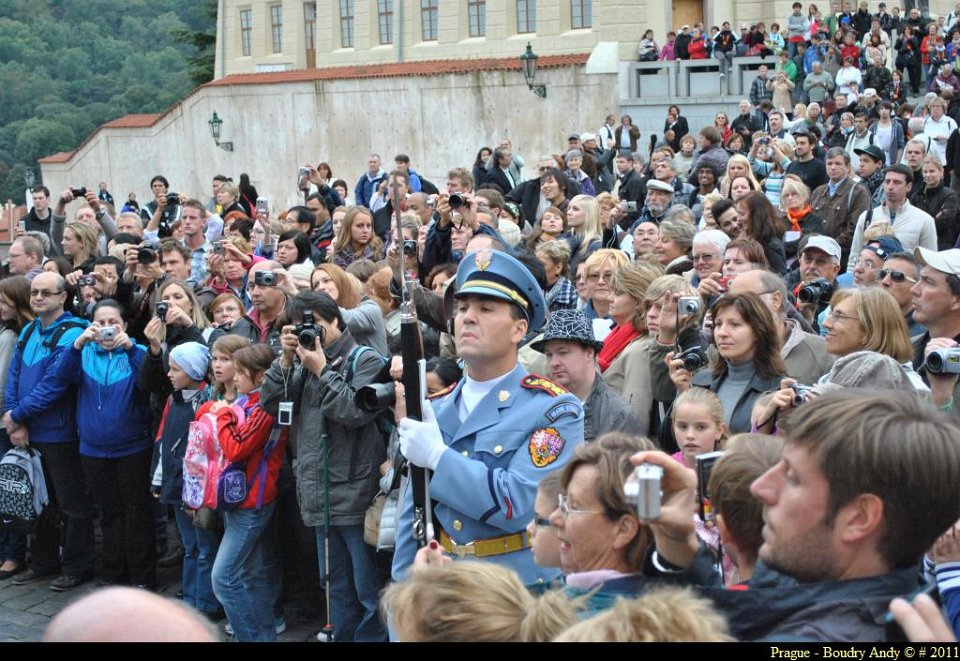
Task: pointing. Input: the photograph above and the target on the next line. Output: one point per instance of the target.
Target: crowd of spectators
(745, 287)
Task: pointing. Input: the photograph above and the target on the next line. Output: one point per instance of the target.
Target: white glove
(421, 442)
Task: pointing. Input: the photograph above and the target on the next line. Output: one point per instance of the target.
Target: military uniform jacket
(485, 486)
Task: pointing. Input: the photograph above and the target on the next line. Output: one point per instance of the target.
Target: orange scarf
(796, 216)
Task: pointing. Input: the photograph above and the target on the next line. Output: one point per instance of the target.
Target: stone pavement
(26, 610)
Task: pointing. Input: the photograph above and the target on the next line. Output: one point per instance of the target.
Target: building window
(526, 16)
(477, 11)
(581, 14)
(346, 23)
(385, 21)
(428, 19)
(246, 27)
(310, 24)
(276, 27)
(310, 32)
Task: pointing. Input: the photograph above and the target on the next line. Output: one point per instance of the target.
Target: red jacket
(246, 442)
(850, 50)
(697, 49)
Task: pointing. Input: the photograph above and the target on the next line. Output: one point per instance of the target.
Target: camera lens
(456, 200)
(307, 338)
(376, 396)
(146, 255)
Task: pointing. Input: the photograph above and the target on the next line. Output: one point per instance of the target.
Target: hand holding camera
(679, 375)
(152, 333)
(289, 343)
(711, 286)
(310, 339)
(673, 529)
(790, 395)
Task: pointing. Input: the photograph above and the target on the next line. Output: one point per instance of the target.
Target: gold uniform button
(465, 453)
(457, 524)
(498, 449)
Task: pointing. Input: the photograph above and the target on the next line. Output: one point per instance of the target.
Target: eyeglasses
(43, 293)
(896, 276)
(542, 523)
(567, 511)
(836, 316)
(606, 275)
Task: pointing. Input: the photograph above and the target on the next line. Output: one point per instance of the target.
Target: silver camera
(107, 333)
(642, 490)
(943, 361)
(688, 305)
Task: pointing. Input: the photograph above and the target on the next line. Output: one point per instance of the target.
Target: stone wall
(440, 121)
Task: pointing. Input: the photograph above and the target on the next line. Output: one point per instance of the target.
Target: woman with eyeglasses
(748, 361)
(795, 202)
(603, 544)
(599, 271)
(869, 319)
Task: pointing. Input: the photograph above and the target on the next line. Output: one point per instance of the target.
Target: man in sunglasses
(898, 276)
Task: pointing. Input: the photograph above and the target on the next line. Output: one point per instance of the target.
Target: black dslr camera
(693, 358)
(307, 331)
(409, 247)
(173, 199)
(457, 200)
(818, 291)
(147, 254)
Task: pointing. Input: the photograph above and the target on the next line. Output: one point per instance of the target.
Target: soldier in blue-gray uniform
(490, 438)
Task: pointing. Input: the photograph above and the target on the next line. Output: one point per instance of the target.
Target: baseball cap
(823, 243)
(947, 261)
(872, 151)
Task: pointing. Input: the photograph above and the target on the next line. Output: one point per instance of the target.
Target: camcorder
(943, 361)
(307, 331)
(818, 291)
(643, 490)
(265, 278)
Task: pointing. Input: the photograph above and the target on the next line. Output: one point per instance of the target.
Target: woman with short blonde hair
(473, 602)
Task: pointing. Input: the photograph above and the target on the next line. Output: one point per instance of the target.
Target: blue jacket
(366, 187)
(37, 393)
(485, 485)
(113, 416)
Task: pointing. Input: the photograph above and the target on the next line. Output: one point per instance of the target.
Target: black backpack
(51, 342)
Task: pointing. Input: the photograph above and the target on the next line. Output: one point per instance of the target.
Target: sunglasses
(896, 276)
